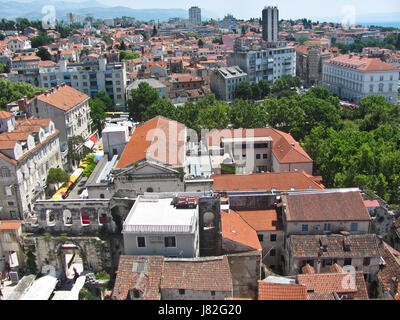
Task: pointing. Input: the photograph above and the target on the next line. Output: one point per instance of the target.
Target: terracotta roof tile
(10, 224)
(361, 63)
(309, 246)
(237, 229)
(340, 283)
(389, 275)
(148, 281)
(261, 220)
(299, 180)
(194, 274)
(64, 98)
(278, 291)
(145, 139)
(331, 206)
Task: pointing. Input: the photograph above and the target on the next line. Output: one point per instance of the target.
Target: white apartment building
(28, 149)
(88, 78)
(155, 226)
(68, 109)
(224, 81)
(354, 77)
(268, 63)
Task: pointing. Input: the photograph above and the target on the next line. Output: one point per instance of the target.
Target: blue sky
(287, 8)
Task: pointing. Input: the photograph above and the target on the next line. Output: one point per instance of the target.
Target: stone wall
(246, 202)
(173, 294)
(48, 250)
(246, 271)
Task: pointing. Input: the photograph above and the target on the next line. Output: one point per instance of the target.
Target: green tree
(200, 43)
(102, 95)
(43, 54)
(302, 40)
(11, 91)
(247, 114)
(122, 46)
(125, 55)
(57, 176)
(218, 39)
(141, 98)
(243, 91)
(161, 107)
(41, 40)
(98, 113)
(214, 116)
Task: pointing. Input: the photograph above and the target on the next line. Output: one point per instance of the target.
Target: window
(272, 237)
(272, 253)
(5, 172)
(213, 293)
(181, 291)
(367, 261)
(354, 227)
(101, 195)
(347, 262)
(265, 156)
(258, 156)
(260, 237)
(327, 227)
(10, 203)
(304, 228)
(170, 242)
(141, 242)
(7, 237)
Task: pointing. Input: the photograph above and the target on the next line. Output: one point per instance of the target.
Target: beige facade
(24, 172)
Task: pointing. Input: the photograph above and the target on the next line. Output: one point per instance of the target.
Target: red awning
(93, 138)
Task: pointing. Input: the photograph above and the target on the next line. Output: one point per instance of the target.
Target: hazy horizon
(322, 10)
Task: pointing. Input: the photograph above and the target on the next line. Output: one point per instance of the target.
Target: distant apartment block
(354, 77)
(224, 81)
(270, 23)
(267, 62)
(89, 78)
(195, 15)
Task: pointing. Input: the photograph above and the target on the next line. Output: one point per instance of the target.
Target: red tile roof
(390, 270)
(64, 98)
(371, 203)
(238, 230)
(280, 291)
(332, 206)
(203, 274)
(160, 139)
(282, 181)
(285, 148)
(361, 63)
(261, 220)
(5, 115)
(148, 281)
(10, 224)
(335, 283)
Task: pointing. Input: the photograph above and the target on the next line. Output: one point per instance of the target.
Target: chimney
(22, 104)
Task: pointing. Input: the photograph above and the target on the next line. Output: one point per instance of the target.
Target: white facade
(354, 84)
(108, 77)
(24, 171)
(223, 82)
(269, 64)
(155, 227)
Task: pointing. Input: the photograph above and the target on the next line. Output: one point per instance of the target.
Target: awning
(94, 139)
(89, 144)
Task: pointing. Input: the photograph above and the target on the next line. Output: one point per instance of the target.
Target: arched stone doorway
(71, 258)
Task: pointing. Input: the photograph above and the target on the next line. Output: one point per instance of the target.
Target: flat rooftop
(151, 214)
